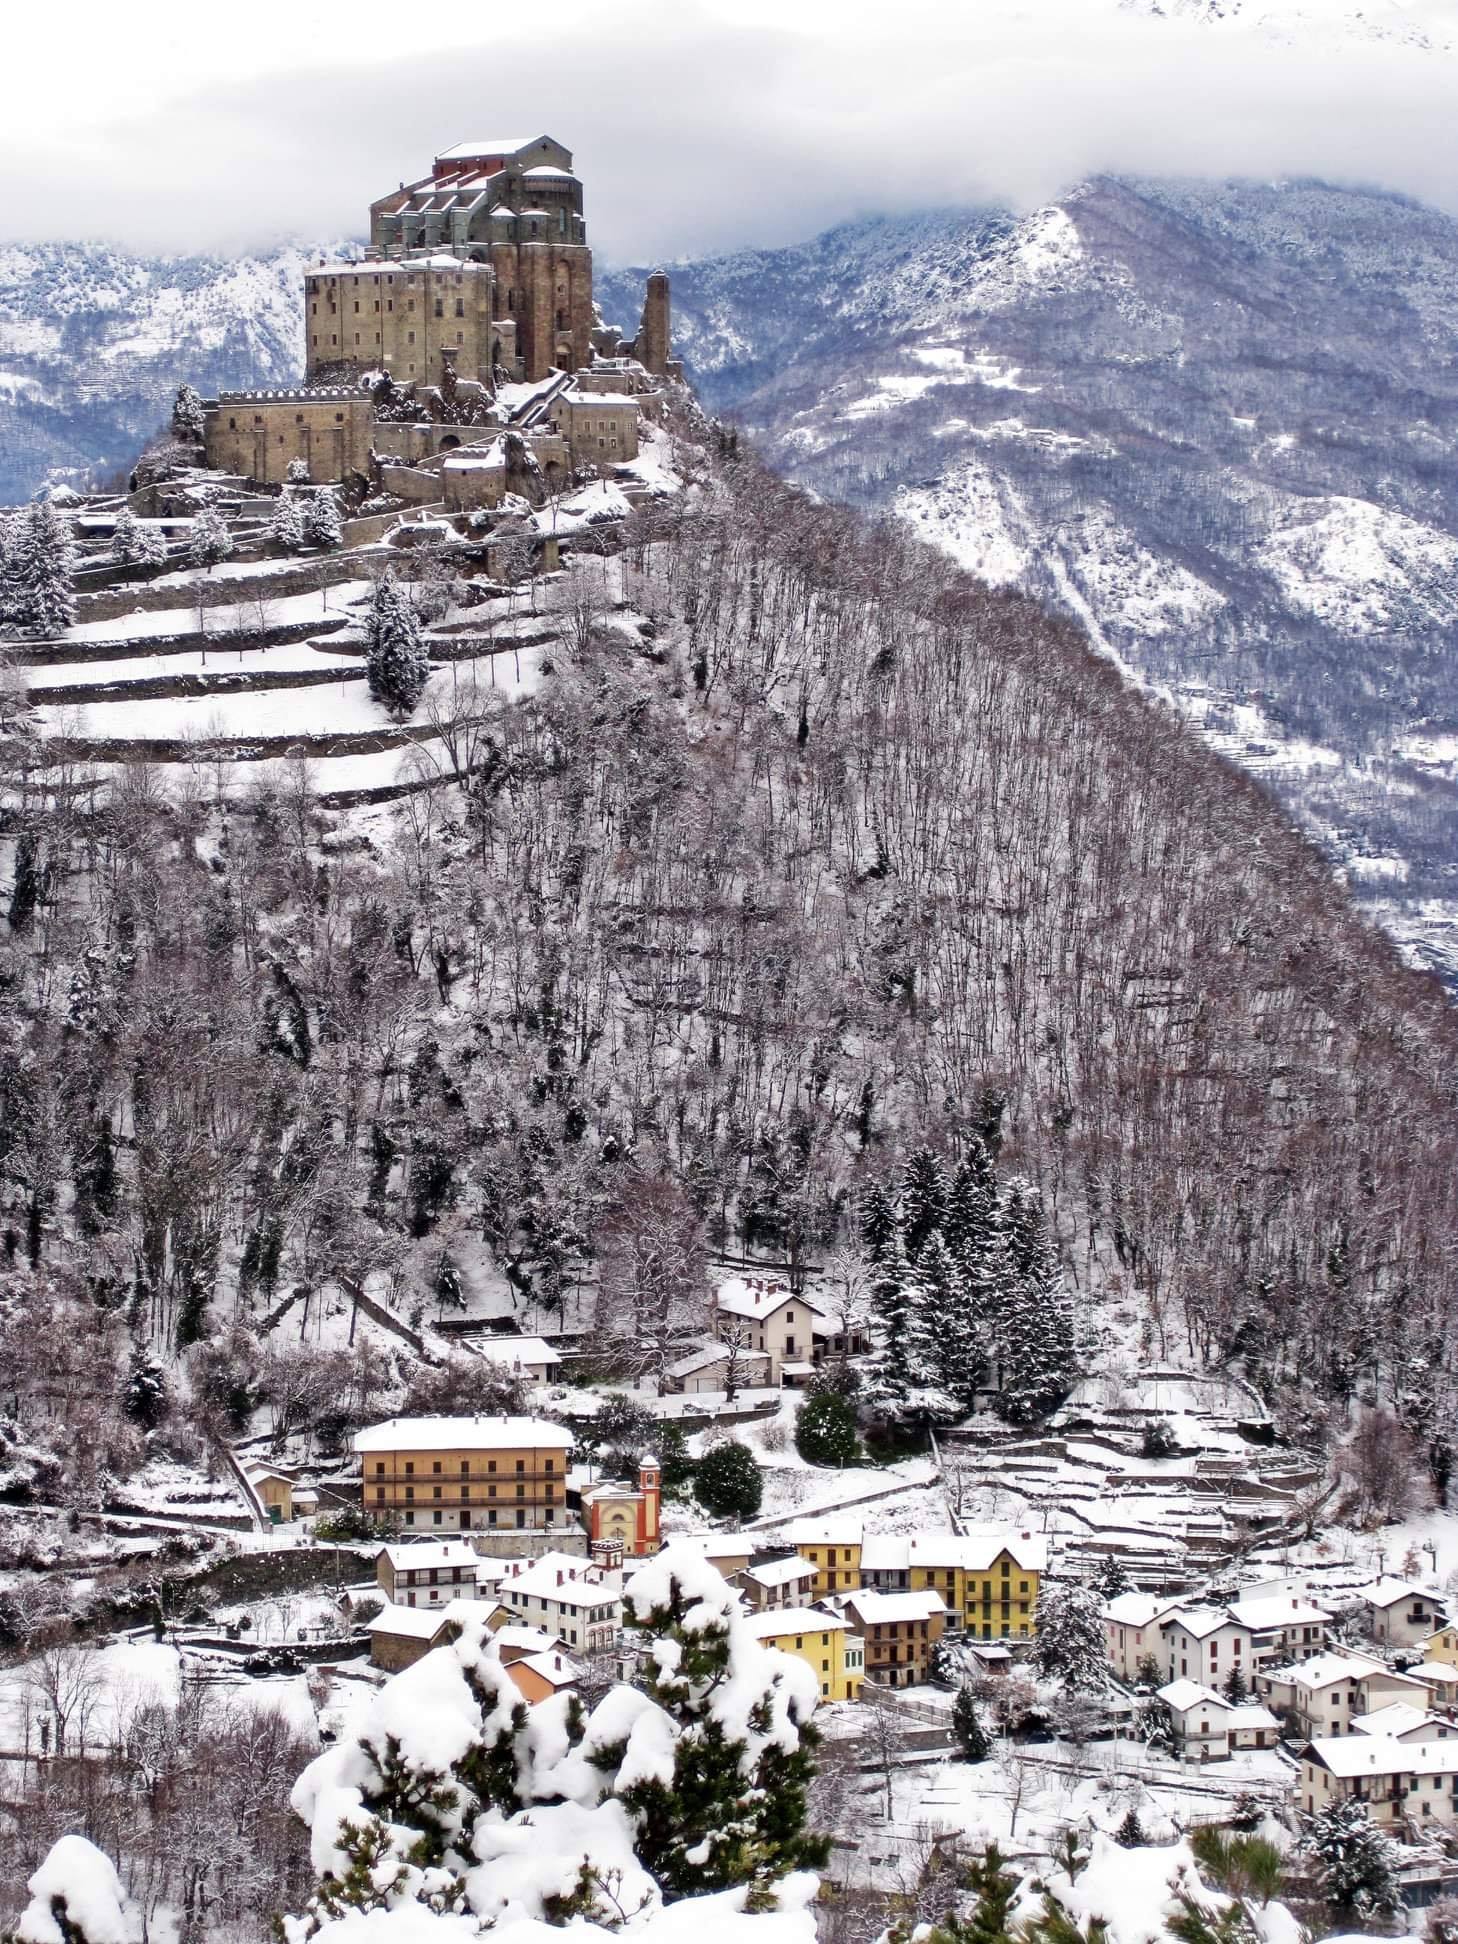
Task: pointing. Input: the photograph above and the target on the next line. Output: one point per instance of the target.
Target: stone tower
(652, 340)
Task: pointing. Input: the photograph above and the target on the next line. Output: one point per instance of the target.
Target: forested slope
(816, 850)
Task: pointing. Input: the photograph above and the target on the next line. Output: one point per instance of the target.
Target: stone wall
(261, 434)
(400, 318)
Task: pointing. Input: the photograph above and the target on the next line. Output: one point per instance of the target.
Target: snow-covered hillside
(1219, 424)
(93, 342)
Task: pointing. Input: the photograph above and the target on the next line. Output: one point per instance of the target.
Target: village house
(719, 1367)
(275, 1488)
(578, 1604)
(788, 1581)
(727, 1552)
(466, 1473)
(988, 1578)
(833, 1547)
(1403, 1722)
(1442, 1645)
(900, 1630)
(402, 1635)
(531, 1358)
(541, 1675)
(1411, 1783)
(426, 1575)
(1320, 1697)
(822, 1640)
(1440, 1678)
(1208, 1728)
(1280, 1628)
(1397, 1613)
(1131, 1632)
(794, 1331)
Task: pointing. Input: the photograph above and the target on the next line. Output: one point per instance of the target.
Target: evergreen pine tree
(1236, 1690)
(1070, 1646)
(990, 1920)
(733, 1810)
(878, 1222)
(1036, 1323)
(967, 1729)
(1358, 1864)
(298, 472)
(76, 1897)
(286, 523)
(825, 1430)
(136, 545)
(924, 1194)
(398, 665)
(971, 1205)
(38, 597)
(211, 540)
(1114, 1579)
(948, 1321)
(187, 416)
(321, 521)
(1130, 1833)
(727, 1481)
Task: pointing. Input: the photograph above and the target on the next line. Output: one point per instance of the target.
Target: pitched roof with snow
(756, 1300)
(464, 1434)
(1198, 1622)
(1184, 1695)
(1250, 1714)
(414, 1623)
(783, 1572)
(834, 1529)
(794, 1620)
(510, 1349)
(1137, 1609)
(1354, 1755)
(887, 1609)
(978, 1548)
(425, 1555)
(1262, 1615)
(1389, 1592)
(1433, 1673)
(556, 1669)
(1398, 1718)
(1326, 1670)
(496, 145)
(562, 1577)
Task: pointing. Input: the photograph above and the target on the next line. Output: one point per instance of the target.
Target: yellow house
(275, 1489)
(827, 1646)
(833, 1547)
(1442, 1645)
(988, 1578)
(465, 1474)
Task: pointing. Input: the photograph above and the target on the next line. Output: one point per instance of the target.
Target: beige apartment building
(465, 1474)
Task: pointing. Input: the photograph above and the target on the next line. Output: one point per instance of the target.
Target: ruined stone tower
(652, 341)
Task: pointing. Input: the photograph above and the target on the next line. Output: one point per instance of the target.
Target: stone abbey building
(478, 280)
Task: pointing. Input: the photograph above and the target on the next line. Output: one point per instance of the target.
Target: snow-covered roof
(490, 458)
(546, 169)
(576, 397)
(413, 1623)
(782, 1572)
(1325, 1670)
(980, 1547)
(886, 1609)
(513, 1349)
(1433, 1673)
(1137, 1609)
(710, 1354)
(1198, 1622)
(1354, 1755)
(722, 1545)
(424, 1555)
(739, 1297)
(1184, 1695)
(523, 1640)
(794, 1620)
(558, 1576)
(497, 145)
(464, 1434)
(1388, 1592)
(1250, 1714)
(1262, 1615)
(550, 1666)
(1398, 1718)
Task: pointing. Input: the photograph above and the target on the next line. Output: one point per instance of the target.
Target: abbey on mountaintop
(475, 291)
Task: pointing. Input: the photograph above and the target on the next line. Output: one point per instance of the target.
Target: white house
(787, 1582)
(715, 1366)
(1280, 1628)
(1131, 1631)
(1401, 1721)
(531, 1358)
(1204, 1644)
(1398, 1613)
(758, 1315)
(1208, 1728)
(1413, 1782)
(1322, 1696)
(1440, 1678)
(575, 1602)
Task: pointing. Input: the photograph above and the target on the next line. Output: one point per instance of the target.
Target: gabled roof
(464, 1434)
(424, 1555)
(1397, 1719)
(755, 1300)
(1250, 1714)
(1354, 1755)
(1326, 1670)
(1184, 1695)
(979, 1547)
(1388, 1592)
(494, 145)
(783, 1572)
(555, 1668)
(794, 1620)
(1262, 1615)
(833, 1529)
(414, 1623)
(886, 1609)
(1137, 1609)
(509, 1349)
(559, 1576)
(1198, 1622)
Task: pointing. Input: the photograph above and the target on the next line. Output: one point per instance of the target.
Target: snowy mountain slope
(1218, 423)
(1425, 24)
(93, 342)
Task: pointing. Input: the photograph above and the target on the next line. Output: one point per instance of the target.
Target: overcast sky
(697, 124)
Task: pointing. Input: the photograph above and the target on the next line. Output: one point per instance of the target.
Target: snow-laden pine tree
(1070, 1647)
(286, 523)
(187, 416)
(924, 1193)
(453, 1801)
(879, 1222)
(1357, 1863)
(321, 521)
(902, 1374)
(211, 540)
(949, 1322)
(37, 597)
(136, 545)
(76, 1897)
(395, 653)
(972, 1206)
(1035, 1318)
